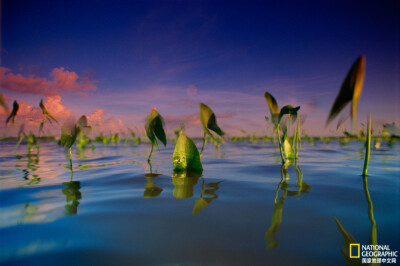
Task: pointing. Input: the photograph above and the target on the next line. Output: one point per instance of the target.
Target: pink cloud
(61, 80)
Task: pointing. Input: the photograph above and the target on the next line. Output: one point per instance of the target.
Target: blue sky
(129, 56)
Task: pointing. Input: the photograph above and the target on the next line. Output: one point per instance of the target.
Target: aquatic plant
(69, 131)
(47, 115)
(276, 117)
(349, 91)
(13, 113)
(186, 156)
(367, 147)
(209, 122)
(155, 130)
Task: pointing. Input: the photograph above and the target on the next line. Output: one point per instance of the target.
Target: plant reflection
(31, 166)
(302, 187)
(207, 194)
(73, 195)
(150, 189)
(184, 182)
(348, 238)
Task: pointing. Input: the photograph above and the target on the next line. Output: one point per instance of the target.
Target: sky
(114, 60)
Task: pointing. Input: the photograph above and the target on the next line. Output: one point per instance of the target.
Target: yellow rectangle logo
(355, 255)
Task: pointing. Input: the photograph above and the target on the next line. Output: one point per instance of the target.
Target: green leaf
(209, 120)
(350, 90)
(288, 110)
(69, 131)
(13, 113)
(155, 128)
(186, 156)
(272, 104)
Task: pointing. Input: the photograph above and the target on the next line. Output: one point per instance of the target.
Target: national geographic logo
(354, 251)
(373, 253)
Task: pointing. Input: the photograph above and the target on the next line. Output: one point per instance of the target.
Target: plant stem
(280, 143)
(204, 144)
(70, 158)
(368, 147)
(151, 152)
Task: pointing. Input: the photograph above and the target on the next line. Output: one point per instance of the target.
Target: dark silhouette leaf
(13, 113)
(350, 90)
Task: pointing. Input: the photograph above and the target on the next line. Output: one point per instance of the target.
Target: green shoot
(367, 147)
(69, 131)
(276, 117)
(186, 156)
(155, 130)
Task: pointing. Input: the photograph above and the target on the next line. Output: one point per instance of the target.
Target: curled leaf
(289, 110)
(350, 90)
(13, 113)
(209, 120)
(155, 128)
(186, 156)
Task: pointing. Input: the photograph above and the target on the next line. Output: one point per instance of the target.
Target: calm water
(243, 210)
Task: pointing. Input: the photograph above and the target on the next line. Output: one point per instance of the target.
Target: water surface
(244, 209)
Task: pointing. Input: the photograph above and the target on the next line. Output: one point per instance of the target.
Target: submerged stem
(204, 144)
(151, 152)
(280, 143)
(368, 147)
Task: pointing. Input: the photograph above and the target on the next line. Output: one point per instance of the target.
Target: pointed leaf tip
(186, 155)
(350, 90)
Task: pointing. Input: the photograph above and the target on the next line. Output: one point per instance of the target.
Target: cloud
(61, 81)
